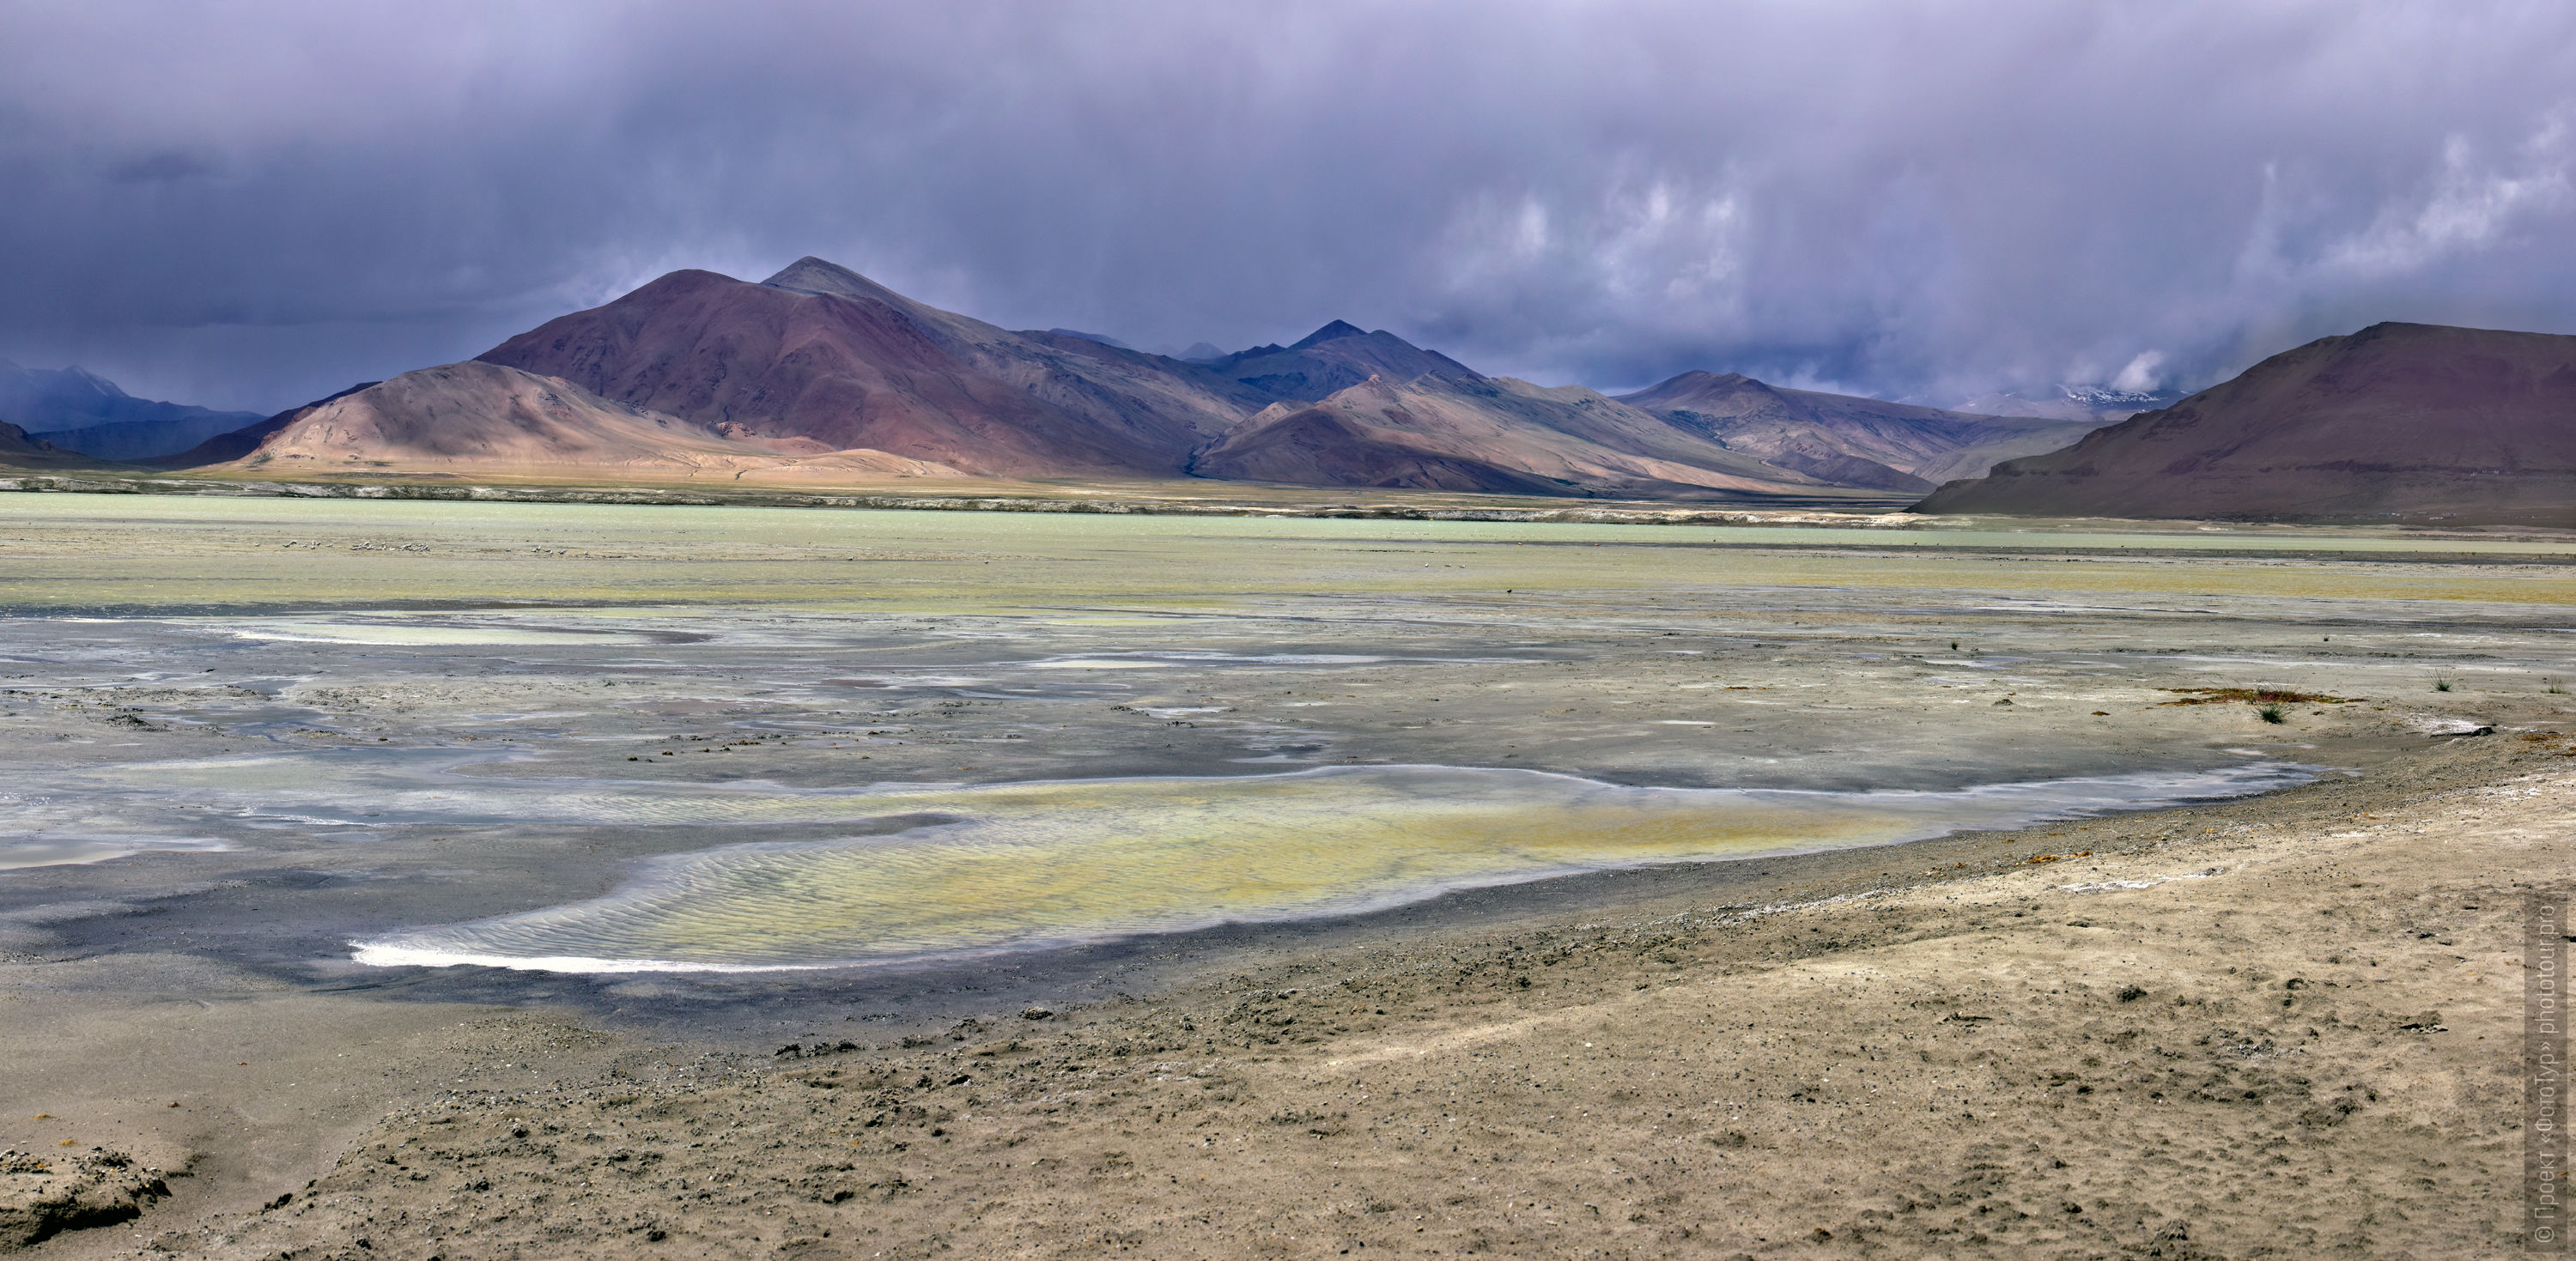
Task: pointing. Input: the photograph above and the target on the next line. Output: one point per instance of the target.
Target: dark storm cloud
(252, 204)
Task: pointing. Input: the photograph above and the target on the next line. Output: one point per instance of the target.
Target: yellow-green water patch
(1062, 862)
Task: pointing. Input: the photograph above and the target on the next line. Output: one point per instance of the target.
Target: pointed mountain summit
(817, 276)
(1332, 359)
(1334, 331)
(821, 352)
(2407, 422)
(1842, 438)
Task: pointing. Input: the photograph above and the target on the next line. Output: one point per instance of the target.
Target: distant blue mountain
(2103, 398)
(2100, 404)
(78, 410)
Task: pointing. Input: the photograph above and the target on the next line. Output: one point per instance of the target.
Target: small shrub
(2441, 685)
(2270, 713)
(2554, 687)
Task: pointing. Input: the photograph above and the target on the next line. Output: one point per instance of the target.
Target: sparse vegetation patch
(2271, 696)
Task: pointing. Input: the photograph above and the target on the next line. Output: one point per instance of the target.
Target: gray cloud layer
(251, 205)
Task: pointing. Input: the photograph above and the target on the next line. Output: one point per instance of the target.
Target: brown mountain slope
(491, 419)
(2397, 421)
(1106, 384)
(1841, 438)
(224, 448)
(1332, 359)
(1492, 434)
(821, 352)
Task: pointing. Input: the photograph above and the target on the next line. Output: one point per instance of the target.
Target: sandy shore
(2280, 1026)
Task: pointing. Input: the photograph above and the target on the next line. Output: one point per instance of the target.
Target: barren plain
(2160, 977)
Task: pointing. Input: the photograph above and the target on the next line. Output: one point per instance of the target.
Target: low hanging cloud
(249, 207)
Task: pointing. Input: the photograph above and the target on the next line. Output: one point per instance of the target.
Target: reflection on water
(1036, 864)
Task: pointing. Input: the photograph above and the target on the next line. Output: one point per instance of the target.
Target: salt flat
(247, 737)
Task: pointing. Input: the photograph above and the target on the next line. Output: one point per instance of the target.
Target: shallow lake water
(1021, 865)
(608, 739)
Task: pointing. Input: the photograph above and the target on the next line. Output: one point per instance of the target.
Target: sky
(250, 204)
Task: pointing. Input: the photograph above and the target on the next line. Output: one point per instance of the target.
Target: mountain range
(1847, 440)
(2411, 422)
(1496, 435)
(818, 374)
